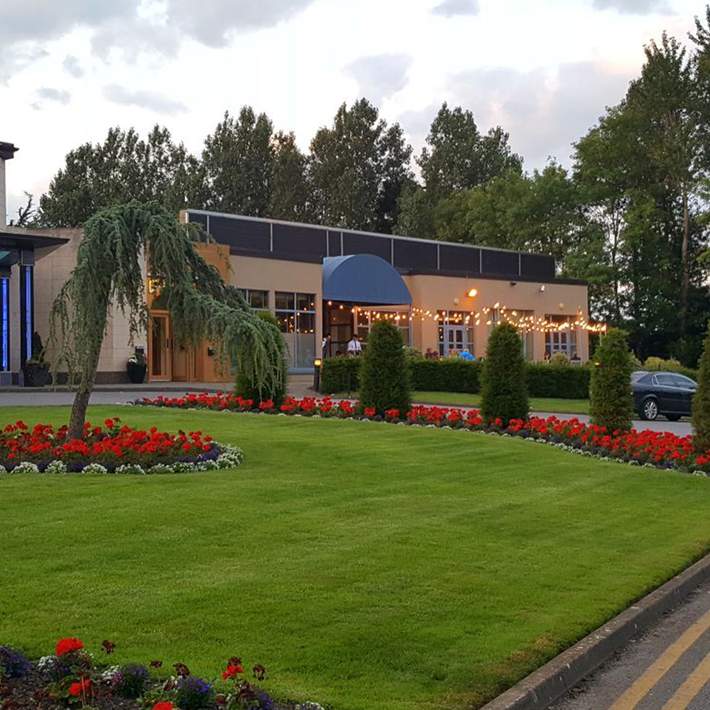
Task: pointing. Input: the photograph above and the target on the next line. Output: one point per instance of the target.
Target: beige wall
(436, 293)
(275, 275)
(52, 269)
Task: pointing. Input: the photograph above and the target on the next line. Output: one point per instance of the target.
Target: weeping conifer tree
(201, 305)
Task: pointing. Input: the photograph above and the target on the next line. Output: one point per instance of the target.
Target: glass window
(561, 341)
(256, 298)
(285, 301)
(455, 333)
(305, 302)
(296, 313)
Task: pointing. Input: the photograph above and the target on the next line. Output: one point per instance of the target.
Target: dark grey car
(666, 393)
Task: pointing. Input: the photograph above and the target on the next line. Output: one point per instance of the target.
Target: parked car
(666, 393)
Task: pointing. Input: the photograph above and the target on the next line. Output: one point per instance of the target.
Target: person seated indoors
(466, 355)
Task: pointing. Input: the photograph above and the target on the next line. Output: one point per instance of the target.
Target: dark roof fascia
(7, 151)
(235, 251)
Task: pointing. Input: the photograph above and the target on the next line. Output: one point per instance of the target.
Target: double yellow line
(692, 685)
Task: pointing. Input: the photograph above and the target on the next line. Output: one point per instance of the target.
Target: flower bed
(113, 448)
(649, 448)
(71, 677)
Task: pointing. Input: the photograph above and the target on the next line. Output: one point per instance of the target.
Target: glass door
(160, 347)
(454, 339)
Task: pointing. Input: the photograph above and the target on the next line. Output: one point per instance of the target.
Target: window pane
(287, 321)
(305, 302)
(306, 323)
(259, 299)
(284, 301)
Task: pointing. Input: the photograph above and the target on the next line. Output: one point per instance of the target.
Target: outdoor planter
(136, 372)
(36, 374)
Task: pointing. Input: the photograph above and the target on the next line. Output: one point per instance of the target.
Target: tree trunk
(685, 265)
(84, 390)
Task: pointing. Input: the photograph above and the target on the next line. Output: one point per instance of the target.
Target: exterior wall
(437, 293)
(52, 269)
(275, 275)
(429, 293)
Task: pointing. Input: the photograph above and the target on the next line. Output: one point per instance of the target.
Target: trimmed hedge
(559, 381)
(449, 375)
(341, 374)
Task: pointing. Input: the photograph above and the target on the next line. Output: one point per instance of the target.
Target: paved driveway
(667, 669)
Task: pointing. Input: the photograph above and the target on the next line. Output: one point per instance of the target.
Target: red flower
(68, 645)
(80, 687)
(232, 671)
(164, 705)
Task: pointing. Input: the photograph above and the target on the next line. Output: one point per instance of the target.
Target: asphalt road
(45, 399)
(666, 669)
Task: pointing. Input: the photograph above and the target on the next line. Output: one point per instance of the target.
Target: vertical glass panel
(284, 301)
(4, 324)
(305, 302)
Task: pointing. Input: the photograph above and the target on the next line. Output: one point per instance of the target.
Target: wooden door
(160, 347)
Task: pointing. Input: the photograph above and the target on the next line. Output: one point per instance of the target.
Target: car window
(666, 380)
(641, 378)
(683, 381)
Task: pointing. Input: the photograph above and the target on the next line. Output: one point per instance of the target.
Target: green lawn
(366, 565)
(464, 399)
(537, 404)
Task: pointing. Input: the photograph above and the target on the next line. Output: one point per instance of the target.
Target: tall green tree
(291, 196)
(124, 167)
(456, 158)
(238, 160)
(358, 167)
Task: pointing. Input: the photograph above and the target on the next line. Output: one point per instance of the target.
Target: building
(318, 281)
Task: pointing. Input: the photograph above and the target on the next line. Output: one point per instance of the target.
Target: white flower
(56, 466)
(25, 467)
(95, 468)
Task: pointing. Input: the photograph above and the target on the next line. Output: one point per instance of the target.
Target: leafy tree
(248, 387)
(384, 375)
(504, 392)
(202, 307)
(291, 197)
(238, 160)
(122, 168)
(358, 167)
(611, 400)
(701, 401)
(457, 157)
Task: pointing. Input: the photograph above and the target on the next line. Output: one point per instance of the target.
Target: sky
(542, 69)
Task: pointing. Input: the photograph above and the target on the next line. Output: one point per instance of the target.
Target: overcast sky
(543, 69)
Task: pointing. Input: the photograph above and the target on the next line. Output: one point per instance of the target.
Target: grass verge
(366, 565)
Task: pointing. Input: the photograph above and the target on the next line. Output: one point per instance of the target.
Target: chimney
(7, 152)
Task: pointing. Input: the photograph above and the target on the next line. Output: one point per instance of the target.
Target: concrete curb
(550, 682)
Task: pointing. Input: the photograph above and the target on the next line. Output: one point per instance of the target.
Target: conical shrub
(611, 400)
(504, 391)
(384, 375)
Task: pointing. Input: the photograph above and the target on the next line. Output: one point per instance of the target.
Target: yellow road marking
(639, 689)
(693, 684)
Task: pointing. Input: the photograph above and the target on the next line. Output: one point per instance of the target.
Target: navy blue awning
(363, 278)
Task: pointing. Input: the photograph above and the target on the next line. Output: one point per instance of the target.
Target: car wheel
(673, 417)
(649, 409)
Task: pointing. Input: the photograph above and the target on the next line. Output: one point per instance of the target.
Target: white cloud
(212, 22)
(381, 75)
(449, 8)
(545, 110)
(61, 96)
(148, 100)
(72, 66)
(634, 7)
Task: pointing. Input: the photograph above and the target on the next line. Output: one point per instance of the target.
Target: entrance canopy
(365, 279)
